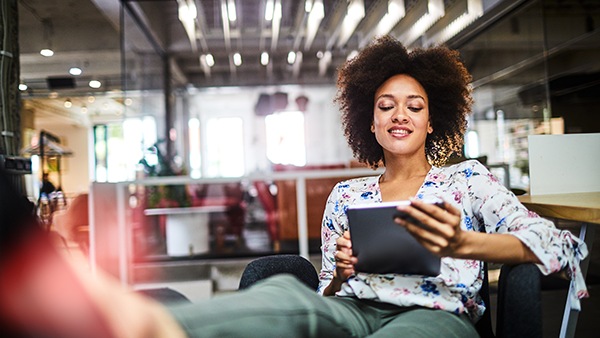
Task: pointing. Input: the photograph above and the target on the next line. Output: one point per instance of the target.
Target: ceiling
(86, 34)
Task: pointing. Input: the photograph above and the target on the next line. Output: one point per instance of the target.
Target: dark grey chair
(518, 310)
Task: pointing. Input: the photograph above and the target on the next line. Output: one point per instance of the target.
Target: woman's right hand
(344, 261)
(344, 264)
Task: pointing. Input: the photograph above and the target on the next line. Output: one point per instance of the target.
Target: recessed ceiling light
(237, 59)
(22, 87)
(68, 103)
(95, 84)
(264, 58)
(75, 71)
(47, 52)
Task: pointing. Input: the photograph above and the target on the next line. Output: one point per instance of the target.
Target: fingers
(344, 259)
(433, 226)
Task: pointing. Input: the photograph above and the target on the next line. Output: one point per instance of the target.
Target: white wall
(325, 143)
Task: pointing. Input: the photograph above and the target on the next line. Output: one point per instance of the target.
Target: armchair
(518, 310)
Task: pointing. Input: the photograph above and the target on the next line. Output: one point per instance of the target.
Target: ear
(372, 128)
(429, 128)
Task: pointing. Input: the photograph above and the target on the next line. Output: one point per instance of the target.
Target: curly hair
(438, 69)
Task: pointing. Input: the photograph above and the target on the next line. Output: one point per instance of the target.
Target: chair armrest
(519, 310)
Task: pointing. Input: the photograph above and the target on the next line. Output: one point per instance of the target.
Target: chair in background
(72, 224)
(518, 310)
(269, 203)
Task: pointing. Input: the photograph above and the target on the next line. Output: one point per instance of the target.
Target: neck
(404, 169)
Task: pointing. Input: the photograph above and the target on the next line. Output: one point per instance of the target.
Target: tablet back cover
(382, 246)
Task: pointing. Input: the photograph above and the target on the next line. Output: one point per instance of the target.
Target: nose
(399, 116)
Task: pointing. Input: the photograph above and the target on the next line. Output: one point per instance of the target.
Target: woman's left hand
(436, 228)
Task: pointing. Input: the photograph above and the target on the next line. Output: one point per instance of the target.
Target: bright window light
(285, 138)
(472, 144)
(194, 139)
(225, 147)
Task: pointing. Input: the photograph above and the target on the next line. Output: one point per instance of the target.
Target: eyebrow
(390, 96)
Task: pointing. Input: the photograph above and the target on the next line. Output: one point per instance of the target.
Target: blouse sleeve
(502, 212)
(331, 229)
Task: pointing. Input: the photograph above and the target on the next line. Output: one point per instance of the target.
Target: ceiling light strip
(316, 15)
(275, 24)
(396, 11)
(355, 13)
(433, 12)
(473, 12)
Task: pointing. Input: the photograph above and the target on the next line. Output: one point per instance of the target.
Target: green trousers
(282, 306)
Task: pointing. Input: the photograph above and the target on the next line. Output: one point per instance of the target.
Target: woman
(406, 111)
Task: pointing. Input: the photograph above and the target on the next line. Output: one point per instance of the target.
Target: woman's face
(401, 116)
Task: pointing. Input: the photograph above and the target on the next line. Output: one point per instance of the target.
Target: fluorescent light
(291, 58)
(324, 63)
(297, 64)
(395, 12)
(95, 84)
(275, 24)
(237, 59)
(433, 12)
(187, 13)
(473, 11)
(352, 54)
(264, 58)
(231, 12)
(355, 13)
(269, 6)
(47, 52)
(315, 17)
(75, 71)
(308, 6)
(186, 10)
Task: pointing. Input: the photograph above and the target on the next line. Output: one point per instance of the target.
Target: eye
(385, 108)
(415, 109)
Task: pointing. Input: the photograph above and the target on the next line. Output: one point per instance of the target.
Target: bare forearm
(333, 287)
(495, 248)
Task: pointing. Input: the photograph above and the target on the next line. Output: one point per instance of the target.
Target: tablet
(383, 246)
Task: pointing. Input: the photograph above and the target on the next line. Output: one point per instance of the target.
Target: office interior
(222, 112)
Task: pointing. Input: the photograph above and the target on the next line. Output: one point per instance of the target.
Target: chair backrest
(264, 267)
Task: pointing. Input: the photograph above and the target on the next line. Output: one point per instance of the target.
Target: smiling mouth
(399, 132)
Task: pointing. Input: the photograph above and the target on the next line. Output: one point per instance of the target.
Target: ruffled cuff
(578, 289)
(571, 251)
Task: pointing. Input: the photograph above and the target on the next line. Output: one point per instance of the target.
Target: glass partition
(533, 72)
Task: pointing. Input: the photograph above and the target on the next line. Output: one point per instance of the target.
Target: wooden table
(579, 207)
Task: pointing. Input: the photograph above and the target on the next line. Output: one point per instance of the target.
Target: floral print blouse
(486, 205)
